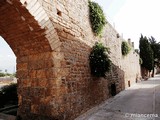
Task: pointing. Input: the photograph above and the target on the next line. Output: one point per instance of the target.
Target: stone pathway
(6, 117)
(139, 102)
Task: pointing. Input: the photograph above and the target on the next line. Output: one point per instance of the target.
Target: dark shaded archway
(28, 36)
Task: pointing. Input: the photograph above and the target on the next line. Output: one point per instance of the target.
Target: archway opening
(7, 58)
(8, 80)
(27, 38)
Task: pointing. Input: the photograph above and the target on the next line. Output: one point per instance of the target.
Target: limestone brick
(52, 40)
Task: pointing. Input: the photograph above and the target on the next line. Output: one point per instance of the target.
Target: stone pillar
(133, 44)
(37, 86)
(129, 41)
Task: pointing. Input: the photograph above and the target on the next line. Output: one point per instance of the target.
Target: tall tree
(155, 47)
(156, 51)
(146, 53)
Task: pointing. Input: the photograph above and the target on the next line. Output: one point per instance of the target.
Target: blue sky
(130, 18)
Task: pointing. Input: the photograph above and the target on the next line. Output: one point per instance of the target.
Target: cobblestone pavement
(139, 102)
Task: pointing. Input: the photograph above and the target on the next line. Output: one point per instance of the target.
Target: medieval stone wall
(52, 46)
(131, 69)
(82, 91)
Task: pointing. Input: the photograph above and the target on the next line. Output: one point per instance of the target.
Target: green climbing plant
(97, 18)
(125, 48)
(99, 60)
(140, 61)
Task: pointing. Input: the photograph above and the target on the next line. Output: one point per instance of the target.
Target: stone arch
(29, 32)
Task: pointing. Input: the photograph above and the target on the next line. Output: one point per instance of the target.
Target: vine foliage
(125, 48)
(97, 18)
(99, 60)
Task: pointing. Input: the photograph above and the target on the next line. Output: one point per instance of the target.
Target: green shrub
(8, 95)
(137, 51)
(125, 48)
(6, 74)
(2, 74)
(97, 18)
(99, 60)
(140, 61)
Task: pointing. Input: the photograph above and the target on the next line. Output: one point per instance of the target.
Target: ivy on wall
(99, 60)
(125, 48)
(140, 61)
(97, 18)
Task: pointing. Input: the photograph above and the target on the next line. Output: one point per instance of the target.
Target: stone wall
(131, 69)
(52, 46)
(82, 90)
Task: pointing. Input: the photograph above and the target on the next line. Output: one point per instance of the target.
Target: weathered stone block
(41, 74)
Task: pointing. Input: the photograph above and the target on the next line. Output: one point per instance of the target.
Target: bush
(2, 74)
(97, 18)
(99, 60)
(8, 94)
(140, 61)
(125, 48)
(6, 74)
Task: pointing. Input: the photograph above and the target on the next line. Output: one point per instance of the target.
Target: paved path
(7, 117)
(139, 102)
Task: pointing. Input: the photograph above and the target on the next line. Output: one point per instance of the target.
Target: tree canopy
(146, 53)
(155, 47)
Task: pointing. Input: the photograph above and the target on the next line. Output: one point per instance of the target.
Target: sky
(130, 18)
(7, 57)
